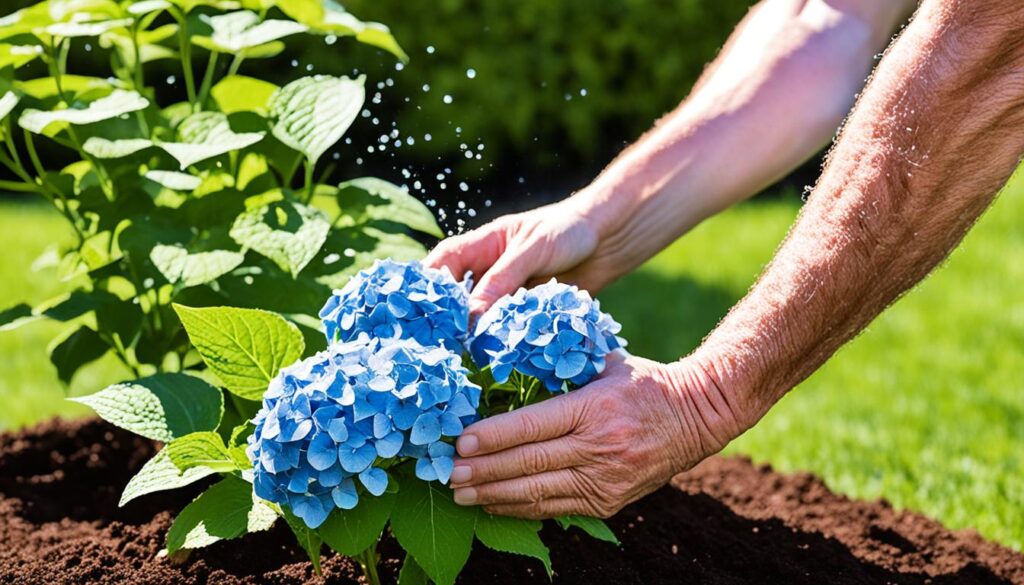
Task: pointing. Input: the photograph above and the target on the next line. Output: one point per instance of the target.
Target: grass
(925, 409)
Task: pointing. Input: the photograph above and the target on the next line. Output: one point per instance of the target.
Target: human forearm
(935, 136)
(773, 98)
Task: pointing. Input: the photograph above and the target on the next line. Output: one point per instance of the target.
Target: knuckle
(534, 492)
(529, 426)
(535, 460)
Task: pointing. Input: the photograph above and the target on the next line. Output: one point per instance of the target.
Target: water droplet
(447, 99)
(469, 154)
(471, 73)
(410, 141)
(426, 87)
(349, 252)
(171, 79)
(331, 258)
(430, 49)
(427, 137)
(440, 176)
(330, 39)
(583, 92)
(471, 213)
(417, 185)
(295, 62)
(399, 66)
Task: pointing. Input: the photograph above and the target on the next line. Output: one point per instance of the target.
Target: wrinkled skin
(597, 449)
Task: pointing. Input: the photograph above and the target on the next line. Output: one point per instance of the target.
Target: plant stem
(204, 89)
(55, 193)
(235, 64)
(309, 181)
(185, 51)
(368, 560)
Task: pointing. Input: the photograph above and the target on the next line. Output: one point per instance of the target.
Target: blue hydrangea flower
(553, 332)
(345, 414)
(406, 300)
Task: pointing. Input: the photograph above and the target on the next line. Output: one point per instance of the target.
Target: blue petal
(404, 414)
(451, 426)
(356, 460)
(426, 429)
(344, 495)
(375, 480)
(322, 452)
(331, 476)
(390, 445)
(571, 364)
(310, 509)
(425, 470)
(443, 467)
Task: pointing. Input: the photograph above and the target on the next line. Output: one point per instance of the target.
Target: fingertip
(467, 445)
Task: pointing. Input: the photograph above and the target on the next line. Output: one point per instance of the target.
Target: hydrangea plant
(205, 239)
(554, 332)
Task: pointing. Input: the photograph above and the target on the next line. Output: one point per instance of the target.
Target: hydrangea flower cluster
(401, 300)
(341, 414)
(554, 332)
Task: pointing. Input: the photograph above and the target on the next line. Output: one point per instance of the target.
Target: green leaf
(141, 7)
(288, 233)
(179, 266)
(311, 114)
(158, 474)
(595, 527)
(378, 35)
(329, 17)
(70, 353)
(174, 180)
(381, 200)
(44, 88)
(109, 149)
(351, 532)
(237, 31)
(118, 103)
(227, 510)
(18, 55)
(205, 135)
(411, 573)
(309, 540)
(86, 29)
(7, 103)
(513, 535)
(238, 93)
(16, 316)
(206, 449)
(435, 530)
(161, 407)
(244, 347)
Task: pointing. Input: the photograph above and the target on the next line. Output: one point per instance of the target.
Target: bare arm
(935, 136)
(938, 133)
(775, 95)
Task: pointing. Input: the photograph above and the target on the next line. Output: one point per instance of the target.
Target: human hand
(596, 449)
(559, 240)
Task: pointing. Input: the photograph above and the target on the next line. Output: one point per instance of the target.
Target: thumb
(508, 273)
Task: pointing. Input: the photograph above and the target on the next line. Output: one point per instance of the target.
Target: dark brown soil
(729, 522)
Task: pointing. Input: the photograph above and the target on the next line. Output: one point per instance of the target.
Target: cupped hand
(557, 240)
(596, 449)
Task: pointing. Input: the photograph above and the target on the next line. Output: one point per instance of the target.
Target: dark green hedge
(634, 58)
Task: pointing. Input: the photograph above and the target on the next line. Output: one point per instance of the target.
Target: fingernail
(462, 474)
(467, 445)
(465, 496)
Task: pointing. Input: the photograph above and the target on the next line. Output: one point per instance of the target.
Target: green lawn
(925, 409)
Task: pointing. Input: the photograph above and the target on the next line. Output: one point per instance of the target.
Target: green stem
(185, 50)
(309, 181)
(139, 79)
(55, 193)
(204, 89)
(368, 560)
(57, 72)
(235, 64)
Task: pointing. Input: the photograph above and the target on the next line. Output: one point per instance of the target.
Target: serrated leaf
(205, 135)
(18, 55)
(244, 347)
(351, 532)
(70, 353)
(16, 316)
(309, 540)
(238, 93)
(118, 103)
(158, 474)
(107, 149)
(595, 527)
(160, 407)
(311, 114)
(205, 449)
(174, 180)
(290, 234)
(513, 535)
(411, 573)
(237, 31)
(75, 29)
(435, 530)
(179, 266)
(378, 199)
(227, 510)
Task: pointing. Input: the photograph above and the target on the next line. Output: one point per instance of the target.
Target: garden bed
(730, 522)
